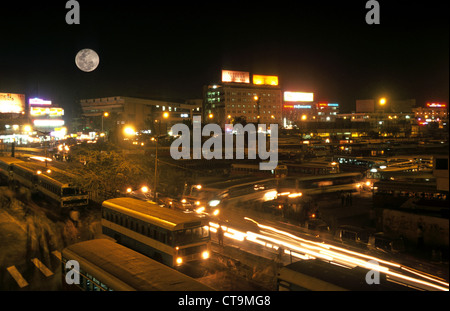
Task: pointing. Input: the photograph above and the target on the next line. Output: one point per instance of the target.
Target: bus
(312, 168)
(45, 181)
(234, 191)
(103, 265)
(384, 172)
(253, 169)
(166, 235)
(57, 187)
(6, 167)
(394, 193)
(321, 184)
(317, 275)
(358, 164)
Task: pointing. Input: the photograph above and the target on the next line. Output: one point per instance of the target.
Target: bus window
(69, 191)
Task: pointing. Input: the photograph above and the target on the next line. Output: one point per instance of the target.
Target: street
(248, 260)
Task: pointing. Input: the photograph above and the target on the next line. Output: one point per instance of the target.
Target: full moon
(87, 60)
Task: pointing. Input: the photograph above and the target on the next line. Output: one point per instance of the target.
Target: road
(30, 244)
(245, 229)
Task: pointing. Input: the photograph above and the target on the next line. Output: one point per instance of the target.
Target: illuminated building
(236, 99)
(45, 117)
(297, 106)
(142, 114)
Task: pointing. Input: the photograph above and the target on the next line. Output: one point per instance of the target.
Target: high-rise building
(236, 99)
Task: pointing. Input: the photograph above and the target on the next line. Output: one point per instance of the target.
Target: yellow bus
(166, 235)
(103, 265)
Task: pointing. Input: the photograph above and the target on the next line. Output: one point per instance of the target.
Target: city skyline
(172, 52)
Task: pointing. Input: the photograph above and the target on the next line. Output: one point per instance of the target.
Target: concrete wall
(435, 230)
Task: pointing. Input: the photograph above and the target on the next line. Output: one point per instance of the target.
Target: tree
(107, 173)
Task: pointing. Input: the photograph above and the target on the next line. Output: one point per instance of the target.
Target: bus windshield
(69, 191)
(191, 235)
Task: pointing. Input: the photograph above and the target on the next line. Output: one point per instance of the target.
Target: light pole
(165, 115)
(105, 114)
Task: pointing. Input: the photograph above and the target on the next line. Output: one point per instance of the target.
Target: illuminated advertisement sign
(436, 105)
(322, 105)
(298, 97)
(297, 106)
(38, 101)
(44, 111)
(48, 123)
(265, 80)
(235, 76)
(12, 103)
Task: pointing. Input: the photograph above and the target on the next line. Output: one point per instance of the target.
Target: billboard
(265, 80)
(12, 103)
(46, 111)
(298, 97)
(38, 101)
(235, 76)
(48, 123)
(436, 105)
(297, 106)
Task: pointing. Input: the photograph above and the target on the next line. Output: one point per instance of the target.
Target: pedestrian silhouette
(220, 235)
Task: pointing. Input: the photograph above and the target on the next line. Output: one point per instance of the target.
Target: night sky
(162, 49)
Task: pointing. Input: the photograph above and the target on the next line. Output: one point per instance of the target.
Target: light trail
(306, 249)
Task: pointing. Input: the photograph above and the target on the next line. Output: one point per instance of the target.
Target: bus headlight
(205, 255)
(200, 210)
(214, 203)
(271, 195)
(179, 260)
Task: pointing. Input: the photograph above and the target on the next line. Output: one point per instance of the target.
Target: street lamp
(104, 115)
(165, 115)
(129, 131)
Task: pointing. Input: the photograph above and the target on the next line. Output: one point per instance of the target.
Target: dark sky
(171, 49)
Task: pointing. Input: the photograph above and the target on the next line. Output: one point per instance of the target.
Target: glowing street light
(129, 130)
(382, 101)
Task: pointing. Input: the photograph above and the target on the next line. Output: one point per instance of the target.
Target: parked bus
(391, 173)
(6, 167)
(358, 164)
(107, 266)
(253, 169)
(312, 168)
(166, 235)
(44, 181)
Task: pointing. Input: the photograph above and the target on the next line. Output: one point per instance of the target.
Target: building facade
(235, 99)
(152, 116)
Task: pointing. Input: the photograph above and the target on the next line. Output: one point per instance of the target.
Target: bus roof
(326, 176)
(54, 176)
(10, 160)
(127, 269)
(151, 212)
(237, 182)
(318, 275)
